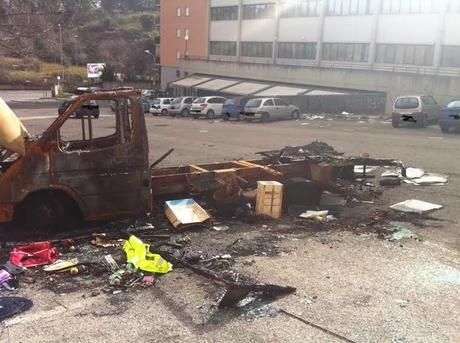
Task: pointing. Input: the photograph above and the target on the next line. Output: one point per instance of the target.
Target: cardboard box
(269, 200)
(185, 213)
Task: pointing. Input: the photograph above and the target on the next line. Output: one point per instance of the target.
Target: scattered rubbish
(110, 263)
(269, 200)
(12, 269)
(34, 254)
(186, 213)
(414, 173)
(139, 255)
(221, 227)
(415, 206)
(148, 280)
(314, 215)
(5, 278)
(430, 179)
(10, 306)
(61, 265)
(116, 278)
(360, 169)
(306, 301)
(399, 232)
(388, 182)
(314, 117)
(236, 293)
(101, 241)
(74, 271)
(392, 173)
(118, 291)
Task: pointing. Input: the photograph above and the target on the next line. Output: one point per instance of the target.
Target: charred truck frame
(103, 178)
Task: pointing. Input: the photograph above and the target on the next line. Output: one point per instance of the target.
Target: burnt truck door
(103, 163)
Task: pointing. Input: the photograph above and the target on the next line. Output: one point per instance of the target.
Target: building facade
(391, 46)
(183, 31)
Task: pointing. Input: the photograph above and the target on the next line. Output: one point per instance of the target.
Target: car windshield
(254, 103)
(454, 104)
(199, 101)
(177, 100)
(407, 103)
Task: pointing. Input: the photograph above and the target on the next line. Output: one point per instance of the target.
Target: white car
(160, 106)
(209, 106)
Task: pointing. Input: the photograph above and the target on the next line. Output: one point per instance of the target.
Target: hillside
(116, 33)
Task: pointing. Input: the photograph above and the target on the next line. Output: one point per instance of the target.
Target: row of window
(405, 54)
(350, 7)
(422, 55)
(186, 11)
(410, 6)
(186, 33)
(312, 8)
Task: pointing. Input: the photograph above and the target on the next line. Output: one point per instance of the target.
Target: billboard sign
(95, 70)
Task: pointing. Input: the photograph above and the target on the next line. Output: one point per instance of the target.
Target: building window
(256, 49)
(405, 54)
(451, 56)
(187, 11)
(177, 73)
(454, 6)
(186, 74)
(301, 8)
(224, 13)
(223, 48)
(178, 11)
(187, 34)
(410, 6)
(178, 33)
(258, 11)
(350, 52)
(178, 54)
(350, 7)
(304, 51)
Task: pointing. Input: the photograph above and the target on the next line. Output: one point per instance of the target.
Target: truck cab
(79, 170)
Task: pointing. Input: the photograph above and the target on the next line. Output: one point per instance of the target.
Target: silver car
(267, 109)
(181, 106)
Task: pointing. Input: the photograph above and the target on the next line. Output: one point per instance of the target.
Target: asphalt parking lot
(364, 288)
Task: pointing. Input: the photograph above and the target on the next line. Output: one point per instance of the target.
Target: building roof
(282, 91)
(217, 84)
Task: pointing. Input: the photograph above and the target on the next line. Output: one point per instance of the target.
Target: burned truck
(49, 181)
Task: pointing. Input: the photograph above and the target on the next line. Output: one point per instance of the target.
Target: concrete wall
(348, 29)
(408, 29)
(168, 74)
(224, 31)
(299, 29)
(394, 84)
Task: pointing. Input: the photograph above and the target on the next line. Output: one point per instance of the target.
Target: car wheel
(195, 116)
(395, 123)
(265, 117)
(210, 114)
(422, 121)
(445, 128)
(185, 113)
(295, 115)
(164, 112)
(226, 117)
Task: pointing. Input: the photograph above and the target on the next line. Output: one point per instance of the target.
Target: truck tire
(43, 213)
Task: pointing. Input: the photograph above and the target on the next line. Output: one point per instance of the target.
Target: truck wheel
(43, 213)
(185, 113)
(210, 114)
(445, 128)
(395, 123)
(295, 115)
(265, 117)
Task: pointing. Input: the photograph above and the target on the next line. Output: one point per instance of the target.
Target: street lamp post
(62, 55)
(148, 52)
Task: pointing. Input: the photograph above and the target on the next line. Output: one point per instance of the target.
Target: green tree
(108, 74)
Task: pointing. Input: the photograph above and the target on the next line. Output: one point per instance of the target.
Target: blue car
(449, 117)
(233, 108)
